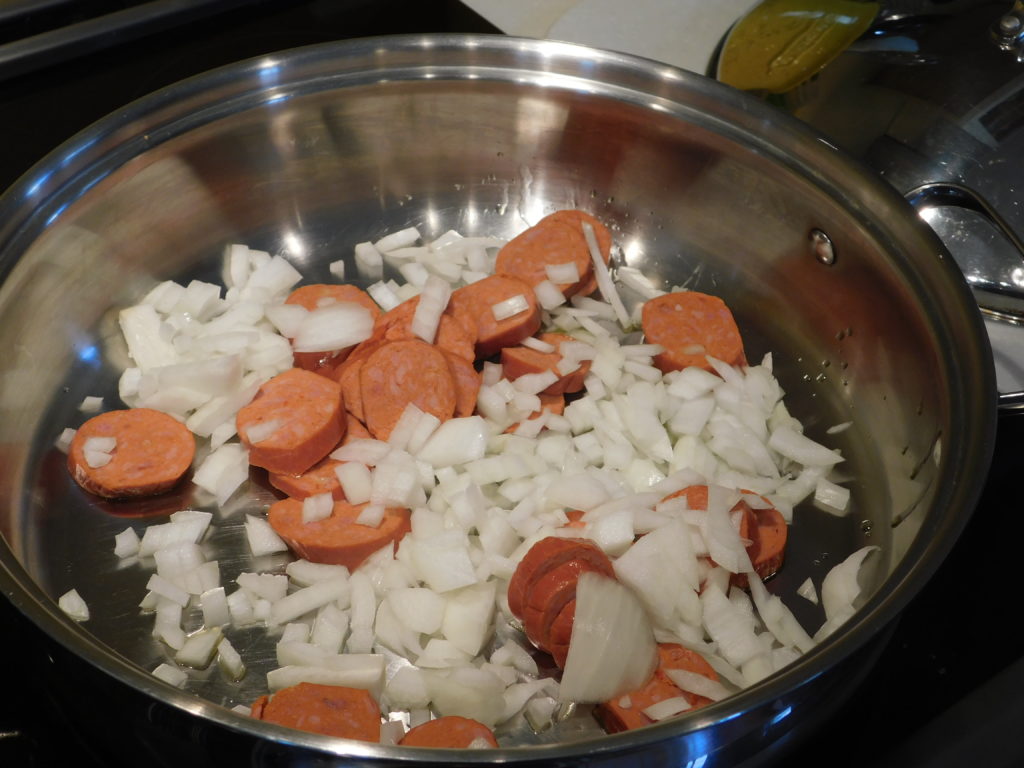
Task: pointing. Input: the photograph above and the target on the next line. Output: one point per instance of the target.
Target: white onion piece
(199, 648)
(167, 589)
(371, 515)
(400, 239)
(510, 307)
(663, 556)
(728, 627)
(532, 342)
(363, 450)
(801, 449)
(469, 616)
(214, 605)
(420, 609)
(90, 404)
(287, 318)
(96, 459)
(229, 660)
(384, 295)
(841, 587)
(267, 586)
(604, 278)
(317, 507)
(833, 498)
(548, 295)
(73, 605)
(407, 689)
(692, 682)
(171, 674)
(367, 676)
(456, 441)
(264, 430)
(777, 617)
(126, 543)
(561, 274)
(330, 628)
(467, 692)
(432, 303)
(308, 599)
(666, 708)
(356, 481)
(337, 326)
(612, 649)
(369, 262)
(304, 573)
(263, 540)
(223, 471)
(807, 590)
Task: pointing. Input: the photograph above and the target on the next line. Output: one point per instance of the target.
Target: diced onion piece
(604, 278)
(456, 441)
(692, 682)
(799, 448)
(317, 507)
(308, 599)
(229, 660)
(263, 430)
(364, 450)
(666, 708)
(371, 515)
(337, 268)
(126, 543)
(532, 342)
(63, 441)
(199, 648)
(403, 238)
(214, 605)
(369, 262)
(432, 303)
(564, 273)
(510, 307)
(96, 459)
(356, 481)
(548, 295)
(304, 573)
(223, 471)
(287, 318)
(384, 295)
(100, 444)
(171, 674)
(90, 404)
(807, 590)
(612, 649)
(337, 326)
(837, 428)
(841, 587)
(73, 605)
(263, 540)
(834, 498)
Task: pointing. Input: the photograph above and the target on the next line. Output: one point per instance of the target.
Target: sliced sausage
(321, 477)
(560, 633)
(153, 451)
(555, 239)
(467, 382)
(456, 330)
(401, 372)
(320, 295)
(451, 731)
(550, 403)
(764, 528)
(519, 361)
(624, 713)
(347, 375)
(546, 555)
(333, 710)
(303, 414)
(691, 326)
(477, 300)
(337, 539)
(546, 598)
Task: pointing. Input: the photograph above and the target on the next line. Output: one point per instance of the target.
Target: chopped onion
(692, 682)
(262, 538)
(510, 307)
(841, 586)
(667, 708)
(799, 448)
(337, 326)
(612, 649)
(317, 507)
(171, 674)
(833, 498)
(561, 274)
(371, 515)
(369, 262)
(263, 430)
(73, 605)
(604, 278)
(432, 303)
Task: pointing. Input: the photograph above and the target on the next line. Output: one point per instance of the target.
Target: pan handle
(947, 193)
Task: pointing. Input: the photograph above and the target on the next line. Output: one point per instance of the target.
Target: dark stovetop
(946, 689)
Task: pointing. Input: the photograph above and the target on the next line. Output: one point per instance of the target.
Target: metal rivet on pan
(822, 248)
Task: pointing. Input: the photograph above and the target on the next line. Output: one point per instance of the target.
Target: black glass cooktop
(948, 688)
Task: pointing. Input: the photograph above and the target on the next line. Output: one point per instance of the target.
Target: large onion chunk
(612, 649)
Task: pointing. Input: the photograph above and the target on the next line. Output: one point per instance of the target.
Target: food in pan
(489, 473)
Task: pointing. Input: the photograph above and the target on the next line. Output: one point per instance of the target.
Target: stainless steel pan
(311, 151)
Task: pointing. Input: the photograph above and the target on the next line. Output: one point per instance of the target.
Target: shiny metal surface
(310, 152)
(929, 98)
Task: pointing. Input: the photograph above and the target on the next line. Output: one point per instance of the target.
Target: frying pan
(310, 151)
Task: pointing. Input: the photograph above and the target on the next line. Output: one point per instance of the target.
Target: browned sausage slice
(546, 555)
(403, 372)
(456, 330)
(333, 710)
(298, 419)
(152, 453)
(338, 539)
(519, 361)
(477, 300)
(691, 326)
(451, 731)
